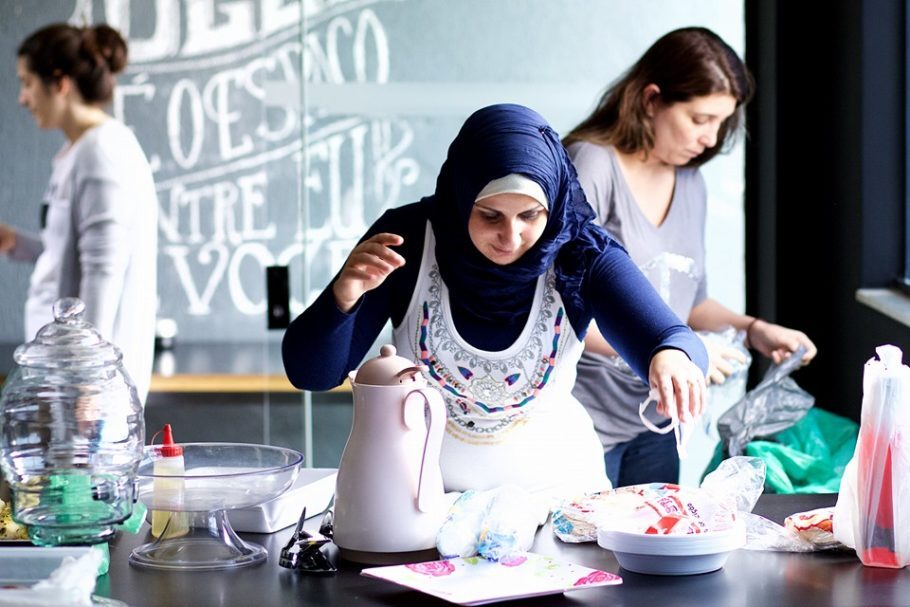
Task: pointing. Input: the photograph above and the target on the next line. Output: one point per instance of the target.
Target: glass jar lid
(68, 342)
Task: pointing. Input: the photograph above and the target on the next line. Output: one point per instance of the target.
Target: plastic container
(313, 489)
(672, 554)
(169, 471)
(219, 477)
(71, 432)
(881, 449)
(26, 566)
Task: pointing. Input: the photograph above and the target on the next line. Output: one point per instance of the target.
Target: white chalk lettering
(223, 211)
(203, 36)
(261, 258)
(216, 101)
(214, 254)
(175, 124)
(234, 169)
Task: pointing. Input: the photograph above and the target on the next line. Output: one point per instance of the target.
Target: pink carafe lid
(389, 369)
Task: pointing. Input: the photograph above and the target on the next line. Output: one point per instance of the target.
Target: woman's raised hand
(679, 382)
(367, 267)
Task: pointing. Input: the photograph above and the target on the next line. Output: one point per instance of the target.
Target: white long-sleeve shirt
(99, 243)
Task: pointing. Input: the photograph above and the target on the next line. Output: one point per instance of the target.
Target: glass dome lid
(68, 342)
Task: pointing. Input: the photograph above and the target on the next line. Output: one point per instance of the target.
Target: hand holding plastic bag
(682, 431)
(773, 405)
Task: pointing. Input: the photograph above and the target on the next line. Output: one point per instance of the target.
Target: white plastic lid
(709, 542)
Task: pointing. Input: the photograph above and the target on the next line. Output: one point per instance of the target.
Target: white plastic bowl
(672, 554)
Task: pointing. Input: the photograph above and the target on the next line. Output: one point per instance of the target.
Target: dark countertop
(749, 578)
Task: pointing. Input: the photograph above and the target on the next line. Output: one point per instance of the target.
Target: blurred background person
(98, 238)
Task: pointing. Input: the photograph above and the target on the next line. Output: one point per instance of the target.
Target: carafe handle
(429, 489)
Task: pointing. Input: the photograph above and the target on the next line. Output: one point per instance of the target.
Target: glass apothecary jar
(71, 432)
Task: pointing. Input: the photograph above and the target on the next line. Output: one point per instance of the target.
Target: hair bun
(109, 44)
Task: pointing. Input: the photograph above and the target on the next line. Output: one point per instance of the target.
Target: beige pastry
(10, 529)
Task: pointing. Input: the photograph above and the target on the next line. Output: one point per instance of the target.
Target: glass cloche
(71, 432)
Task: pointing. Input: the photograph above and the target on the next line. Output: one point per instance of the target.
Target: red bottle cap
(168, 448)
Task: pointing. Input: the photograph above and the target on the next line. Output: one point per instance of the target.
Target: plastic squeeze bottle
(168, 488)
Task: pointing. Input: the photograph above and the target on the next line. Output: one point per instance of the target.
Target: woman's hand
(679, 382)
(777, 342)
(367, 267)
(7, 238)
(719, 360)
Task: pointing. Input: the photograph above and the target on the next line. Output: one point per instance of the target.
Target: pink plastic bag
(873, 506)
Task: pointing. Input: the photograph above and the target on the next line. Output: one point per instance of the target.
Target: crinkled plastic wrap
(495, 524)
(727, 494)
(663, 508)
(70, 585)
(815, 527)
(773, 405)
(723, 396)
(873, 506)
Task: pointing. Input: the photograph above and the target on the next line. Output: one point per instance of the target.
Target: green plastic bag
(810, 456)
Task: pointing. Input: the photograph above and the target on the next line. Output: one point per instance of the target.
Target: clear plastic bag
(773, 405)
(727, 494)
(495, 524)
(663, 507)
(723, 396)
(873, 505)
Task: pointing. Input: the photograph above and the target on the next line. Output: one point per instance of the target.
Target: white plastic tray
(313, 488)
(27, 565)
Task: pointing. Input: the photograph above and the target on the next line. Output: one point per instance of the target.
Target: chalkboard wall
(279, 130)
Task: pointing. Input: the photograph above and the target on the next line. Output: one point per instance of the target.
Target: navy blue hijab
(496, 141)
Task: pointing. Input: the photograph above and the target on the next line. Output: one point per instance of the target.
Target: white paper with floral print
(476, 581)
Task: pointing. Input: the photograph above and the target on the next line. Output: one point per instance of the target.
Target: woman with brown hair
(638, 156)
(99, 216)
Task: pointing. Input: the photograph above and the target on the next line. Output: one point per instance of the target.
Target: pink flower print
(433, 568)
(513, 561)
(594, 577)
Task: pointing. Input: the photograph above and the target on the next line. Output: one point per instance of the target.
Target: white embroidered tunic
(513, 407)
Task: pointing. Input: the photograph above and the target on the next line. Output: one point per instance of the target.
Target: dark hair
(685, 63)
(90, 56)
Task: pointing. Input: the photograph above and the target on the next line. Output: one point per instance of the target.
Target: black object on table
(753, 578)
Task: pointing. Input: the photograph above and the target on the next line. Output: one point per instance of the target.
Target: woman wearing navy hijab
(491, 282)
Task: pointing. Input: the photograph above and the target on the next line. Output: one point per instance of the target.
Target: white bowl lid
(710, 542)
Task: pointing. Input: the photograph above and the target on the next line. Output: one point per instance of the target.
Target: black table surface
(753, 578)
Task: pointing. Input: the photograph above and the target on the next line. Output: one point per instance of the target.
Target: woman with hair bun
(99, 234)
